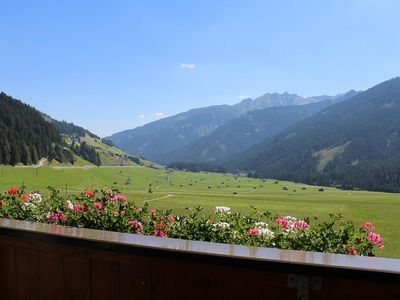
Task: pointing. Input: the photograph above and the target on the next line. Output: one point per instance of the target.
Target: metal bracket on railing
(304, 284)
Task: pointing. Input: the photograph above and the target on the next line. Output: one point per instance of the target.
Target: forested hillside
(355, 143)
(25, 136)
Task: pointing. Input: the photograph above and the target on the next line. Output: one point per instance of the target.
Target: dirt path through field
(167, 196)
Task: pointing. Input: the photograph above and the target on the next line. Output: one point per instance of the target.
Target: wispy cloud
(188, 66)
(160, 115)
(142, 117)
(242, 97)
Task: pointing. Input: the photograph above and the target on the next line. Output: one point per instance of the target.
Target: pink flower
(79, 208)
(253, 231)
(160, 233)
(376, 239)
(117, 198)
(98, 206)
(352, 251)
(116, 213)
(136, 226)
(301, 224)
(281, 222)
(109, 191)
(57, 217)
(171, 219)
(152, 213)
(368, 226)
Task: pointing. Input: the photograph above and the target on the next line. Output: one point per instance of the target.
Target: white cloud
(188, 66)
(160, 115)
(242, 97)
(142, 117)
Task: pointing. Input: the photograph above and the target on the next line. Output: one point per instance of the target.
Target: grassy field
(181, 189)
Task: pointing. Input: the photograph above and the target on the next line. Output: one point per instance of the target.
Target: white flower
(28, 206)
(221, 225)
(261, 225)
(222, 210)
(70, 205)
(35, 197)
(265, 232)
(291, 219)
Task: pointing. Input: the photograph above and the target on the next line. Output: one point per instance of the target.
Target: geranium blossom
(152, 213)
(13, 191)
(28, 206)
(261, 224)
(117, 198)
(352, 251)
(301, 224)
(171, 219)
(253, 231)
(25, 198)
(79, 208)
(57, 217)
(264, 232)
(89, 193)
(282, 223)
(35, 197)
(136, 226)
(368, 226)
(160, 233)
(98, 205)
(375, 239)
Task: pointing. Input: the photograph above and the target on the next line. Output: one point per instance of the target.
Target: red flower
(13, 191)
(89, 193)
(25, 198)
(253, 231)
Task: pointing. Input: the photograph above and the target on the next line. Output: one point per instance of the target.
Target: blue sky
(114, 65)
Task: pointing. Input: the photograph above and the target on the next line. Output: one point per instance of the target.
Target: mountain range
(158, 140)
(249, 129)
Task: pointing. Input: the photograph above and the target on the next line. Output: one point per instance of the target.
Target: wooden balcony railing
(41, 261)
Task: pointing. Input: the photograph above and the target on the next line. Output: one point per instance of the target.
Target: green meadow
(177, 190)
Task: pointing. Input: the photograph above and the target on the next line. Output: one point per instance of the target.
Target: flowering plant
(107, 209)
